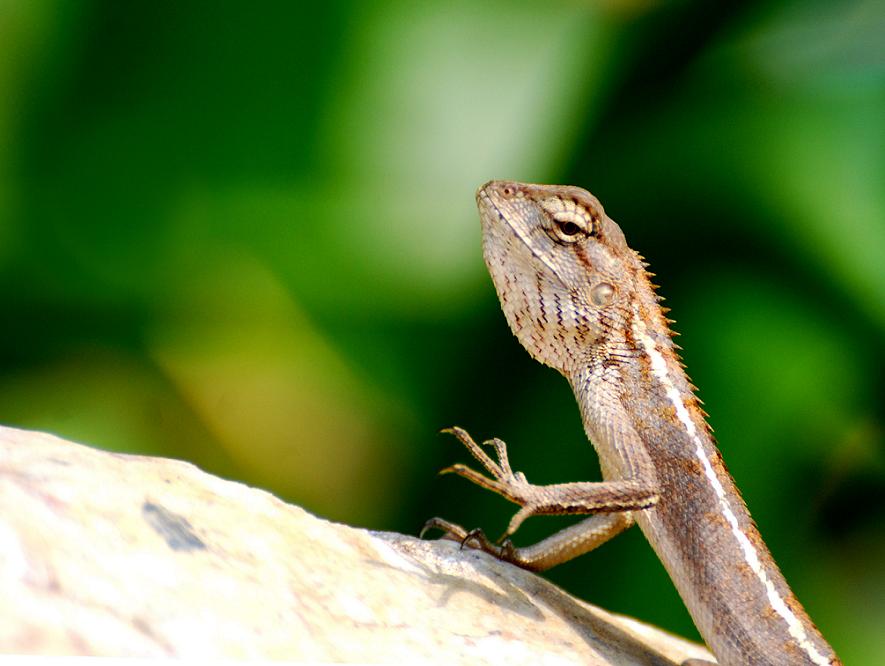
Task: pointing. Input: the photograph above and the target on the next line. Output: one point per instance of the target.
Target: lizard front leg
(610, 501)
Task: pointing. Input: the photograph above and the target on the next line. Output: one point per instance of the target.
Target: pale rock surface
(110, 554)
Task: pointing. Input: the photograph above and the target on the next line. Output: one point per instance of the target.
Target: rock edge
(121, 555)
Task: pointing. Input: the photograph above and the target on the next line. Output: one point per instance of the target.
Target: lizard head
(562, 269)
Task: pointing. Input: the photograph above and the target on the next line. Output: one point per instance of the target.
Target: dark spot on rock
(175, 530)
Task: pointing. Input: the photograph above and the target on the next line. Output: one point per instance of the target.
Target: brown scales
(716, 577)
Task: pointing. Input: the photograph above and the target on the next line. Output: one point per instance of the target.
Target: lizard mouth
(495, 221)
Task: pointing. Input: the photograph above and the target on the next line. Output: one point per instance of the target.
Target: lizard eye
(568, 227)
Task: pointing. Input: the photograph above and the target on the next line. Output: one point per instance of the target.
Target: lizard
(581, 301)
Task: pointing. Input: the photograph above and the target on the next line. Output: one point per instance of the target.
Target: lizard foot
(474, 538)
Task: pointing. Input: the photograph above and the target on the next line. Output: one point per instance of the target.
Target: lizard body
(580, 300)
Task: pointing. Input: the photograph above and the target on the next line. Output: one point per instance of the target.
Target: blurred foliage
(244, 235)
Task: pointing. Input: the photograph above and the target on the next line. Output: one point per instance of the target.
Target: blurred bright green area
(244, 235)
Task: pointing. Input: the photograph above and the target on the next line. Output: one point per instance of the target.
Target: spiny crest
(676, 348)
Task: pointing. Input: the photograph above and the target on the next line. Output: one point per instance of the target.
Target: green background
(244, 235)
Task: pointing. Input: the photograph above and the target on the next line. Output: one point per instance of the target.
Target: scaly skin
(580, 300)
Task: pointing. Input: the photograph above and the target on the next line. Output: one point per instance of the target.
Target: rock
(121, 555)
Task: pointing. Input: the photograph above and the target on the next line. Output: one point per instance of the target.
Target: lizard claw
(450, 531)
(475, 539)
(502, 549)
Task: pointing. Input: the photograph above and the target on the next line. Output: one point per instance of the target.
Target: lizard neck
(635, 380)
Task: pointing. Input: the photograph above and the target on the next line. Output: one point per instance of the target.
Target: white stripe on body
(661, 371)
